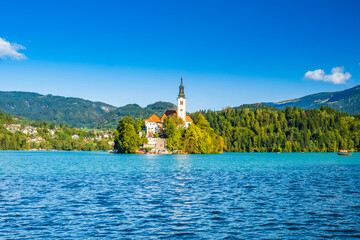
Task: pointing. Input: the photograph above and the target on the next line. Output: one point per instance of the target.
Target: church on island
(154, 124)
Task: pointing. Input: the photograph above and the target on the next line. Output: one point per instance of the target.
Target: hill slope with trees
(75, 112)
(346, 101)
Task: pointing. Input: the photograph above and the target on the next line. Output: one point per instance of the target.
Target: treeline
(289, 130)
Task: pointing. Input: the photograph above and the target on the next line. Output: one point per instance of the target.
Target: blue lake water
(89, 195)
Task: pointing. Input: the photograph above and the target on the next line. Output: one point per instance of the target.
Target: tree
(172, 131)
(139, 125)
(200, 138)
(127, 140)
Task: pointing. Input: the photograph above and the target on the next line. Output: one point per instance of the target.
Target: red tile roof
(154, 118)
(188, 119)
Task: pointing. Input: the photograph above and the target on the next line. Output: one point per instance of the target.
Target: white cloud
(10, 50)
(337, 76)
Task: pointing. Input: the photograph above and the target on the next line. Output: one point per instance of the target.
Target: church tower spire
(181, 102)
(181, 89)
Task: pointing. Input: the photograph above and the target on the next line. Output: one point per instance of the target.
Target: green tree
(127, 140)
(172, 131)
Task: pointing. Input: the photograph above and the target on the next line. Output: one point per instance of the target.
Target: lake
(87, 195)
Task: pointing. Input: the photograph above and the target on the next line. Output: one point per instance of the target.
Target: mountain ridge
(78, 112)
(347, 100)
(72, 111)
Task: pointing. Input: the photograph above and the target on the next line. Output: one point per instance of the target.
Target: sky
(228, 52)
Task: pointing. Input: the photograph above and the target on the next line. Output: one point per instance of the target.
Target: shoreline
(44, 150)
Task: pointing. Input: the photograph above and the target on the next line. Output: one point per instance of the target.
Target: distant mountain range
(74, 112)
(346, 101)
(36, 107)
(78, 112)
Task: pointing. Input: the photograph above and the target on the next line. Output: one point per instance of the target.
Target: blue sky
(229, 52)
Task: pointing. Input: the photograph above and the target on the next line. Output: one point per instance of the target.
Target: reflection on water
(246, 196)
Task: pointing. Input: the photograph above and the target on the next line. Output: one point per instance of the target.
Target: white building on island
(154, 124)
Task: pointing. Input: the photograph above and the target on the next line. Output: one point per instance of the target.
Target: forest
(288, 130)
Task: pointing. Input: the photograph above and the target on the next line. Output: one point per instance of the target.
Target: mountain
(346, 101)
(78, 112)
(75, 112)
(254, 106)
(112, 118)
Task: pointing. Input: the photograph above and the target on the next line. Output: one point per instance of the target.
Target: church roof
(154, 118)
(188, 119)
(170, 112)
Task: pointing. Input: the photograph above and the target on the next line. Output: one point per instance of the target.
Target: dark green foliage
(127, 139)
(111, 119)
(347, 101)
(289, 130)
(139, 124)
(35, 107)
(254, 106)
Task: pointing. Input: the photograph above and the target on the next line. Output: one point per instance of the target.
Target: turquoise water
(87, 195)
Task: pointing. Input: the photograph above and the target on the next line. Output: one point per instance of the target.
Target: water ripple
(229, 196)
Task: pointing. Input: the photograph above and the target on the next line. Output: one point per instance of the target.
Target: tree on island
(197, 138)
(127, 138)
(201, 138)
(173, 132)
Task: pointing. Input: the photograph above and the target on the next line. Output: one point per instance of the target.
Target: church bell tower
(181, 102)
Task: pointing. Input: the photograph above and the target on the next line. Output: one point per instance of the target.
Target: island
(175, 132)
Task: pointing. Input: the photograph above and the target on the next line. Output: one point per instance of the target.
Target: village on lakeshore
(52, 137)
